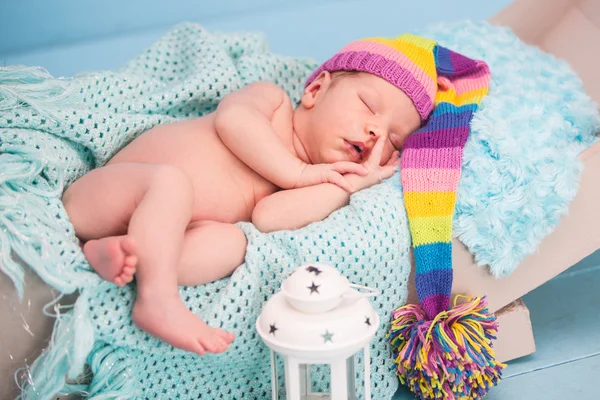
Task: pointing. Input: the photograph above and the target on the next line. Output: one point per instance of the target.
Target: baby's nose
(374, 135)
(374, 131)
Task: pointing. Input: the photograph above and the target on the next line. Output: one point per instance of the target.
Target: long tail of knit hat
(441, 352)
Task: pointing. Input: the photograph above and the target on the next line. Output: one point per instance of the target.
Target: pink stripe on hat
(444, 157)
(430, 179)
(396, 56)
(475, 81)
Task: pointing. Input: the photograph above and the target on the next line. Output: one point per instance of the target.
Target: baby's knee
(236, 244)
(70, 205)
(74, 203)
(239, 237)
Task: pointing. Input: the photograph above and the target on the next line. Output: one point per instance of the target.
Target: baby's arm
(296, 208)
(243, 122)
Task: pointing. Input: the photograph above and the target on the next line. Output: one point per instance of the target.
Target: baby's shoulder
(268, 91)
(267, 97)
(263, 86)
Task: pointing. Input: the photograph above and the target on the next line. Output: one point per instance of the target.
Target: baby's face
(345, 114)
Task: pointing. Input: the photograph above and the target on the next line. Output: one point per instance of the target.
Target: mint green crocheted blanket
(53, 131)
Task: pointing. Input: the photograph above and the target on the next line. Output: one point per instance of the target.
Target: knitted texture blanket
(520, 168)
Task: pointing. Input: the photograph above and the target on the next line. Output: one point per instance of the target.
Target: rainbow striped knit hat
(440, 352)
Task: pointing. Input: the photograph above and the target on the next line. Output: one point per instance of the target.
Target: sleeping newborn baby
(164, 207)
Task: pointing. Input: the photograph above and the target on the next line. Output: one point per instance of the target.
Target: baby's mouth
(356, 150)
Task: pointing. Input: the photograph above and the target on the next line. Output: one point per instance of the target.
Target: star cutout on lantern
(327, 336)
(272, 329)
(314, 288)
(316, 270)
(368, 321)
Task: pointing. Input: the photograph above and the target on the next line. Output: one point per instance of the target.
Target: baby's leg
(159, 201)
(211, 251)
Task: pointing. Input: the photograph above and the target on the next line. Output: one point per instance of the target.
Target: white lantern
(318, 317)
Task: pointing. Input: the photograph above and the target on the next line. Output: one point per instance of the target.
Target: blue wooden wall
(69, 36)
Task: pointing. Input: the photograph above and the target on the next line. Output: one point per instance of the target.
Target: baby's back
(225, 189)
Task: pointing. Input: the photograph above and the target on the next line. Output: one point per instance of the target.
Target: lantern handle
(371, 292)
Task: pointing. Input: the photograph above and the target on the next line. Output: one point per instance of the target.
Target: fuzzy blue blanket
(520, 172)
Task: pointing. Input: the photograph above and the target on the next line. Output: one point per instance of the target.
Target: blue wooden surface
(565, 317)
(574, 380)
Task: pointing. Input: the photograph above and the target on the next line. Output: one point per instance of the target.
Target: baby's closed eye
(369, 106)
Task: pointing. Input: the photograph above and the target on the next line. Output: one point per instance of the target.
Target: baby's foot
(168, 319)
(113, 258)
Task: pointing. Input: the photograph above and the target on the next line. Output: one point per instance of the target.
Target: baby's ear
(315, 89)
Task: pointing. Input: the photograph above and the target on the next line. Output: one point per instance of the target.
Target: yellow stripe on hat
(419, 41)
(422, 57)
(470, 97)
(427, 230)
(426, 204)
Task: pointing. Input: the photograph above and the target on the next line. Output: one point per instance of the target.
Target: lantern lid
(315, 288)
(317, 312)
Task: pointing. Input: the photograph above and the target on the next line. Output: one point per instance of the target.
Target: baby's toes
(215, 343)
(222, 344)
(125, 276)
(128, 270)
(119, 281)
(209, 344)
(226, 336)
(199, 348)
(130, 261)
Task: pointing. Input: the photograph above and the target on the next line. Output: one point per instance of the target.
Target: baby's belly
(227, 195)
(225, 189)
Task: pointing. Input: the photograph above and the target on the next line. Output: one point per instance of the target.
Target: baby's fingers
(387, 171)
(375, 156)
(337, 179)
(378, 148)
(347, 167)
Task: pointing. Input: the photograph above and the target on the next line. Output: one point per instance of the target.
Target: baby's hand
(376, 173)
(314, 174)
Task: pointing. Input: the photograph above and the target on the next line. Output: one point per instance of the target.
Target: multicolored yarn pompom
(449, 357)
